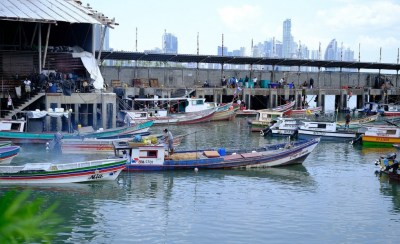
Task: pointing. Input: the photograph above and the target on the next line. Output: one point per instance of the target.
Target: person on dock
(169, 140)
(311, 85)
(27, 84)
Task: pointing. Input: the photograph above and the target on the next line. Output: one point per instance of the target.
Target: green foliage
(22, 220)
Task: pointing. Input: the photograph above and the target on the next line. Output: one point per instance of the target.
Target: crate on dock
(144, 83)
(136, 82)
(116, 83)
(153, 82)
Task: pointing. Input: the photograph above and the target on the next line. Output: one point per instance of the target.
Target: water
(333, 197)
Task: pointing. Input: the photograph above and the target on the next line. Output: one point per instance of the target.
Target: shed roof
(189, 58)
(50, 11)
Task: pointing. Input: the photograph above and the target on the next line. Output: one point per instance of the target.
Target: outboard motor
(265, 131)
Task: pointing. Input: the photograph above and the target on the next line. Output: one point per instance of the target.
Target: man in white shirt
(27, 86)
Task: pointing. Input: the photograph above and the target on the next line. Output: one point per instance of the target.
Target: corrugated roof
(46, 11)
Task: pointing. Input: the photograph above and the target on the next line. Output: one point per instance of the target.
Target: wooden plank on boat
(211, 154)
(251, 155)
(183, 156)
(233, 156)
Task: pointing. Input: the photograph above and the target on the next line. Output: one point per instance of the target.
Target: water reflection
(391, 189)
(76, 204)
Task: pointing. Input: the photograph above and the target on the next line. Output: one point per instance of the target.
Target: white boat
(38, 173)
(327, 131)
(264, 119)
(170, 111)
(283, 127)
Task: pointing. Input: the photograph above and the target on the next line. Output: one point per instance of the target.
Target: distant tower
(331, 52)
(287, 38)
(170, 43)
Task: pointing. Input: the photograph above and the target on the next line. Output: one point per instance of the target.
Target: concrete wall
(186, 78)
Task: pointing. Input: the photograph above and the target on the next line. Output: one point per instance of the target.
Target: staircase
(19, 108)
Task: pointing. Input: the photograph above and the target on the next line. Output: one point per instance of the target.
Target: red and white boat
(390, 109)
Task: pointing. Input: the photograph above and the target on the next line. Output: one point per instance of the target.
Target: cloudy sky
(370, 24)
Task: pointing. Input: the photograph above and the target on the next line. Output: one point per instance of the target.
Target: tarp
(41, 114)
(90, 63)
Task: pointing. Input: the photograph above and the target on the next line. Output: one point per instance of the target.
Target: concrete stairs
(21, 106)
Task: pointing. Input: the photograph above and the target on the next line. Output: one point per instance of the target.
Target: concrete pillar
(287, 93)
(298, 93)
(76, 113)
(273, 98)
(94, 115)
(321, 95)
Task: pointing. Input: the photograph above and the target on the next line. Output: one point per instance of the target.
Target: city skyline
(370, 25)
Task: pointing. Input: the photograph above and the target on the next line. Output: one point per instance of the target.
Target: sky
(371, 28)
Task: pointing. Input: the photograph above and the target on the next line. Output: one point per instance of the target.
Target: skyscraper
(331, 52)
(170, 43)
(287, 38)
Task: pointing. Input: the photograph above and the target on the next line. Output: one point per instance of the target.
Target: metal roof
(50, 11)
(192, 58)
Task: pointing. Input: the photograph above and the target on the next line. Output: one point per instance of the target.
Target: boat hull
(379, 141)
(101, 170)
(276, 155)
(7, 153)
(28, 137)
(327, 136)
(224, 115)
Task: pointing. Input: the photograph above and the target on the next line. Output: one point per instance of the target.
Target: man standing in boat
(169, 140)
(347, 120)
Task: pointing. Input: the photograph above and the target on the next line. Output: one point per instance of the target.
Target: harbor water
(333, 197)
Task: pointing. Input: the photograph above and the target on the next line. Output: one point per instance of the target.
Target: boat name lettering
(95, 176)
(382, 139)
(147, 161)
(319, 133)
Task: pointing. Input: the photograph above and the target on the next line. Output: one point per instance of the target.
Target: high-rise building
(170, 43)
(287, 42)
(222, 52)
(331, 52)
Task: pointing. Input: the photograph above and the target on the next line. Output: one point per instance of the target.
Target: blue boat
(7, 153)
(153, 158)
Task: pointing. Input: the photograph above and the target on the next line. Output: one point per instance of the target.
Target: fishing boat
(7, 153)
(265, 118)
(14, 130)
(381, 136)
(327, 131)
(305, 111)
(285, 107)
(95, 146)
(246, 113)
(223, 112)
(150, 158)
(5, 143)
(390, 109)
(49, 173)
(162, 117)
(370, 108)
(358, 122)
(389, 165)
(283, 127)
